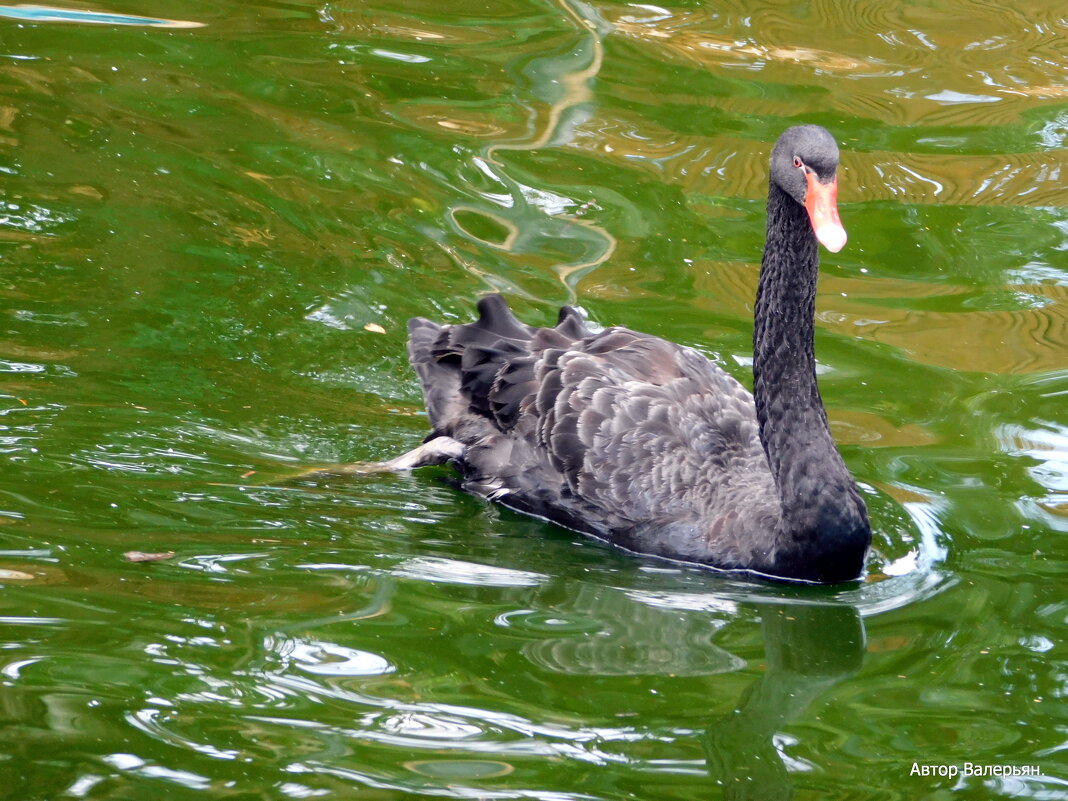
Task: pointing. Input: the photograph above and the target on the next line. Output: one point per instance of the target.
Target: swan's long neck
(820, 504)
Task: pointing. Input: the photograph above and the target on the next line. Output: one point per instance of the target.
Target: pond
(215, 219)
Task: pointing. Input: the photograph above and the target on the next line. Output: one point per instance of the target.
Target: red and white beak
(821, 202)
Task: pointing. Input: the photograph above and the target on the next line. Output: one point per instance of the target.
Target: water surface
(215, 220)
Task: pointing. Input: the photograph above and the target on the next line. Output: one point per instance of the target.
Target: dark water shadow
(808, 649)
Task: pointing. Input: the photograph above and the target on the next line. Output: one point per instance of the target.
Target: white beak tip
(831, 236)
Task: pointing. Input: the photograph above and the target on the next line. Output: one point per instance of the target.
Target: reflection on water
(1047, 447)
(808, 649)
(48, 14)
(625, 639)
(316, 708)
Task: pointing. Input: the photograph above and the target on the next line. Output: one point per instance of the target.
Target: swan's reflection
(641, 634)
(808, 649)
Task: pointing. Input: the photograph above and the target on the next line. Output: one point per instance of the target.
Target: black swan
(649, 445)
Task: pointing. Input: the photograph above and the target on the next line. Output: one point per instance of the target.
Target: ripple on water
(37, 14)
(458, 770)
(1046, 448)
(455, 571)
(331, 659)
(878, 48)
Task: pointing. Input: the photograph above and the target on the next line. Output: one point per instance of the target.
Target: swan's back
(617, 434)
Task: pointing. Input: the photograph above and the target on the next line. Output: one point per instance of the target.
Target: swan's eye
(798, 163)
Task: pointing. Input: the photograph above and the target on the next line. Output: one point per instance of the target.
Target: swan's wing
(618, 433)
(659, 446)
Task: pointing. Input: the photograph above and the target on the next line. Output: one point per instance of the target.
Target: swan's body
(648, 444)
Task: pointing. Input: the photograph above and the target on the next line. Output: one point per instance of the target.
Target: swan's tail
(462, 367)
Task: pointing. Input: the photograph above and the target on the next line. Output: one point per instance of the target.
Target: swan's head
(804, 164)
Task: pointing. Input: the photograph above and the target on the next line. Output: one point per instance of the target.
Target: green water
(210, 240)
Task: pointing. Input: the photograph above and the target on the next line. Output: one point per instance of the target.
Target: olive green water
(210, 240)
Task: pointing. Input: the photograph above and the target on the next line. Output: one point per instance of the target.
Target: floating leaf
(14, 575)
(374, 328)
(141, 556)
